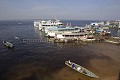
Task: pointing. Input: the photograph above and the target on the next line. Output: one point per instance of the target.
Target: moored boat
(8, 44)
(81, 69)
(44, 25)
(114, 42)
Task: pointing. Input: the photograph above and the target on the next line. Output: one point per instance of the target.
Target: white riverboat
(71, 35)
(36, 23)
(52, 32)
(44, 25)
(81, 69)
(119, 25)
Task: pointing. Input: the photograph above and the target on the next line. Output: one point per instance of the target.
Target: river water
(37, 58)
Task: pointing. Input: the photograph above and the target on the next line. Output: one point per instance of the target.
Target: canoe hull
(81, 69)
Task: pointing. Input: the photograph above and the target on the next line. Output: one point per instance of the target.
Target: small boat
(114, 42)
(115, 37)
(81, 69)
(8, 44)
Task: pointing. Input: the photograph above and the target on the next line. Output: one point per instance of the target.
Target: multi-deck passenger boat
(52, 32)
(81, 69)
(44, 25)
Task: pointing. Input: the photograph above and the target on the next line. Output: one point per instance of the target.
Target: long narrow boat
(114, 42)
(81, 69)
